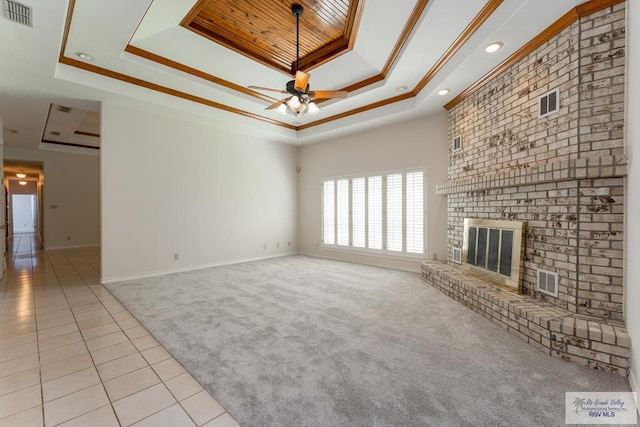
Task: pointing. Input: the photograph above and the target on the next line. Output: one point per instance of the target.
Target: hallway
(71, 354)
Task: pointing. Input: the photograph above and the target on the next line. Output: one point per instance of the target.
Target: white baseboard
(368, 259)
(157, 273)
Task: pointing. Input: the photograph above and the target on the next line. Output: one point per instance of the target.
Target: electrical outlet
(264, 246)
(68, 237)
(289, 242)
(176, 256)
(278, 245)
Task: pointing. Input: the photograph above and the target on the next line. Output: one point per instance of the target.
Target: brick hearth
(596, 343)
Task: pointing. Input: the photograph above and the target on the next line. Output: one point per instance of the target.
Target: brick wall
(562, 174)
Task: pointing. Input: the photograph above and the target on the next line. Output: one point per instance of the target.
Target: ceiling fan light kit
(301, 101)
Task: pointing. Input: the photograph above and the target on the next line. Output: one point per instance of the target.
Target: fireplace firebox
(493, 249)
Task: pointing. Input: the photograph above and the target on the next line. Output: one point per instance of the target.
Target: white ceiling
(32, 78)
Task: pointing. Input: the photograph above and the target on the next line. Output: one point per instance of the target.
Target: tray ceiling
(265, 30)
(397, 56)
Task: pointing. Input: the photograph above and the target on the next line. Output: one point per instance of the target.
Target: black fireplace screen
(490, 249)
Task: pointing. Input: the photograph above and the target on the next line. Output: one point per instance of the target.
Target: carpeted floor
(300, 341)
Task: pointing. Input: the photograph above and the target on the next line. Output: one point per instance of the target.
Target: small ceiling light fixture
(21, 175)
(493, 47)
(22, 182)
(401, 88)
(442, 92)
(84, 56)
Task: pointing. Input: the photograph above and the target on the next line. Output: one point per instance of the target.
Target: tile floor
(71, 354)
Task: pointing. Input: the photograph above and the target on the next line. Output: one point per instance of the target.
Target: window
(394, 212)
(328, 213)
(342, 212)
(358, 212)
(415, 212)
(381, 212)
(374, 212)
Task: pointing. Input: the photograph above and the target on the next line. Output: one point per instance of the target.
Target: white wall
(632, 204)
(417, 143)
(173, 184)
(71, 196)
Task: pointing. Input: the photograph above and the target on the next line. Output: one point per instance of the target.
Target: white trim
(116, 279)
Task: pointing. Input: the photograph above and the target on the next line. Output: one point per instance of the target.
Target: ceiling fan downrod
(297, 11)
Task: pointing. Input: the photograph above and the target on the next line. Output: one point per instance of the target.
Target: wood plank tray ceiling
(265, 30)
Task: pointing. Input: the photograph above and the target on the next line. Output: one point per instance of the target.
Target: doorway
(24, 213)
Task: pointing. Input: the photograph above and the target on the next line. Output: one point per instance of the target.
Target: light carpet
(300, 341)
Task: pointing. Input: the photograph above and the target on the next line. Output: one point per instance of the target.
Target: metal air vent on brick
(19, 13)
(547, 282)
(457, 255)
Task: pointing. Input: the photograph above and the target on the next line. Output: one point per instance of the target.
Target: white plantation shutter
(342, 212)
(328, 213)
(377, 212)
(358, 212)
(374, 212)
(394, 212)
(415, 212)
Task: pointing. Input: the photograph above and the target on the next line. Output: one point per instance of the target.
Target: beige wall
(174, 184)
(418, 143)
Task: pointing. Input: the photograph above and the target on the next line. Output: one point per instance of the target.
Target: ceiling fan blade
(302, 81)
(268, 89)
(276, 104)
(328, 94)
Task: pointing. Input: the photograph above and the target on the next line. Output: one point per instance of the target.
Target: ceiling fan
(302, 97)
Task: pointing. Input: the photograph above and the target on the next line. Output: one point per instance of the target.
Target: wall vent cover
(547, 282)
(457, 143)
(549, 103)
(64, 109)
(457, 255)
(19, 13)
(55, 133)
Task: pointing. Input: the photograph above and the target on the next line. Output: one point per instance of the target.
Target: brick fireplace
(562, 175)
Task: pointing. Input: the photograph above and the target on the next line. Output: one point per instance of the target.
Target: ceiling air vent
(19, 13)
(548, 282)
(64, 109)
(54, 133)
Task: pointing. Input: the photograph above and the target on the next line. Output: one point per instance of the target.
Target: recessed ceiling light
(444, 91)
(22, 182)
(84, 56)
(493, 47)
(401, 88)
